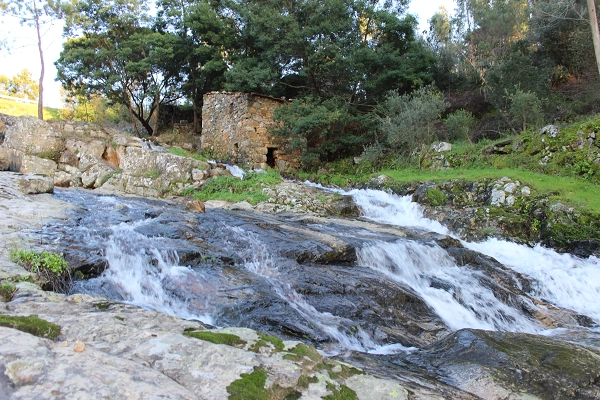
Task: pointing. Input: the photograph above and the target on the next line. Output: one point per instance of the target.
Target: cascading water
(143, 271)
(458, 299)
(561, 279)
(258, 260)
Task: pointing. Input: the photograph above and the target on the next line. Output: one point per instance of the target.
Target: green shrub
(459, 125)
(52, 269)
(526, 109)
(7, 289)
(31, 324)
(409, 119)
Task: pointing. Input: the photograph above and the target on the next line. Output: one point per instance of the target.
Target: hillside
(17, 108)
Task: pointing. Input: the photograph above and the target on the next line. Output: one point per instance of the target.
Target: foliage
(233, 189)
(526, 109)
(31, 324)
(343, 393)
(92, 108)
(38, 15)
(217, 337)
(7, 289)
(51, 269)
(250, 386)
(436, 197)
(21, 85)
(459, 125)
(408, 120)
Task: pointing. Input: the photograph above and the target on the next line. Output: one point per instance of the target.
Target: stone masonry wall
(236, 126)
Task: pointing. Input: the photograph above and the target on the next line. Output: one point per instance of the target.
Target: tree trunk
(157, 111)
(595, 34)
(41, 83)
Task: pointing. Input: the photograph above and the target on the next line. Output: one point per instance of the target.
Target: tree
(21, 85)
(204, 37)
(117, 53)
(36, 14)
(335, 58)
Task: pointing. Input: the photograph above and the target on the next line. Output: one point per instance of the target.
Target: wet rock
(195, 206)
(502, 364)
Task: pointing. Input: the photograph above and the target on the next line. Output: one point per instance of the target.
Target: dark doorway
(271, 156)
(236, 154)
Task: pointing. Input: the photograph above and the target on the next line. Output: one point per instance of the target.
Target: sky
(24, 52)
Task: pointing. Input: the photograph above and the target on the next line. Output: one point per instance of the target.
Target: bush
(459, 125)
(526, 109)
(52, 269)
(408, 120)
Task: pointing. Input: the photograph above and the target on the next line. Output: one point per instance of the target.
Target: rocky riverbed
(260, 277)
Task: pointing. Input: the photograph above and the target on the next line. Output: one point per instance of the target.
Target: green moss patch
(436, 197)
(343, 393)
(249, 386)
(302, 352)
(31, 324)
(342, 371)
(217, 338)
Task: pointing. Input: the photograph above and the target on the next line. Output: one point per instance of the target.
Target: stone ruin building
(236, 125)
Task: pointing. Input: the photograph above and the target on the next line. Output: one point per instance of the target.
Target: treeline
(362, 80)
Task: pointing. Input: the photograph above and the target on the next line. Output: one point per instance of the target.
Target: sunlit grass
(17, 109)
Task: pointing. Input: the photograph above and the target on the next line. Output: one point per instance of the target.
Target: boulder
(93, 148)
(17, 161)
(171, 168)
(33, 136)
(441, 147)
(550, 130)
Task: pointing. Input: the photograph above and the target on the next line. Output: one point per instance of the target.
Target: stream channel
(391, 291)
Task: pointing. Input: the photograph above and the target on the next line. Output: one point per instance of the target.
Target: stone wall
(236, 126)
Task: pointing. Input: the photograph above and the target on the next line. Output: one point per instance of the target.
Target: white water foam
(561, 279)
(453, 292)
(236, 171)
(139, 274)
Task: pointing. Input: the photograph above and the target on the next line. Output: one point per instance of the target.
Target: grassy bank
(17, 108)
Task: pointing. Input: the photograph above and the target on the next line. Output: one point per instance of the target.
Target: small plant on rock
(52, 269)
(7, 289)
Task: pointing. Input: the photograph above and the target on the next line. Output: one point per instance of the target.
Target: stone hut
(236, 126)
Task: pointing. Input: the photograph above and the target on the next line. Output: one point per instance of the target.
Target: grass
(232, 189)
(52, 269)
(573, 192)
(17, 108)
(31, 324)
(178, 151)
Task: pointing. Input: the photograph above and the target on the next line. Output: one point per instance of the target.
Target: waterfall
(453, 292)
(142, 271)
(561, 279)
(258, 260)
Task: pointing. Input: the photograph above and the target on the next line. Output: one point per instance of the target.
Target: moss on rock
(31, 324)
